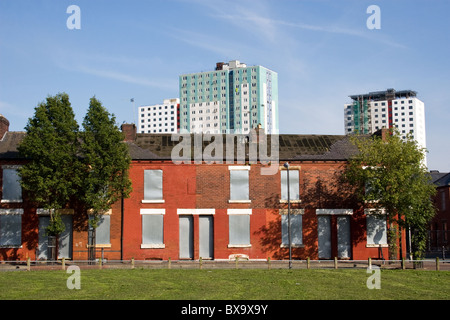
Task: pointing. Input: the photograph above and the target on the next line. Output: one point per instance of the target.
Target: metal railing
(62, 264)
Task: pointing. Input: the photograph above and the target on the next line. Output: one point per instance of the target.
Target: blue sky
(322, 50)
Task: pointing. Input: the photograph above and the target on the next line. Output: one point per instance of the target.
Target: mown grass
(241, 284)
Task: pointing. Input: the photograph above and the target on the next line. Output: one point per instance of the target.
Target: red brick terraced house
(199, 208)
(227, 209)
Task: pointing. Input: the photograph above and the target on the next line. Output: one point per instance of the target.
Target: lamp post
(286, 165)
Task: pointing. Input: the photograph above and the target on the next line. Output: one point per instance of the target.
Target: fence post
(28, 264)
(437, 263)
(335, 263)
(307, 263)
(370, 263)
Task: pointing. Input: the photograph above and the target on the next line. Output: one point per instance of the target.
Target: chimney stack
(4, 126)
(129, 131)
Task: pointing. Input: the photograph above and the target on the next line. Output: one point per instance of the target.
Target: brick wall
(191, 186)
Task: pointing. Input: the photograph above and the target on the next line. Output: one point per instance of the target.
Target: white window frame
(291, 169)
(10, 167)
(162, 188)
(240, 168)
(103, 226)
(12, 212)
(239, 212)
(143, 213)
(376, 214)
(284, 231)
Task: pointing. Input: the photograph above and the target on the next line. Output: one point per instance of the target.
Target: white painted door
(206, 236)
(186, 237)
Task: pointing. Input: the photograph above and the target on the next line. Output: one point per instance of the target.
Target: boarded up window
(376, 229)
(239, 185)
(102, 234)
(152, 229)
(12, 191)
(294, 193)
(153, 185)
(239, 229)
(296, 229)
(11, 228)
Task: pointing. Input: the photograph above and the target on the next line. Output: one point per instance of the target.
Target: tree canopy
(106, 160)
(52, 177)
(66, 164)
(391, 175)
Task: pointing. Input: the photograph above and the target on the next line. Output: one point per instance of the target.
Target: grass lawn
(241, 284)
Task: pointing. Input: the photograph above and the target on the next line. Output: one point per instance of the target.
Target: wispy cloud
(108, 66)
(113, 75)
(205, 42)
(260, 22)
(269, 26)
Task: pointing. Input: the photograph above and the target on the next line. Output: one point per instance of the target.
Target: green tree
(106, 160)
(390, 174)
(51, 177)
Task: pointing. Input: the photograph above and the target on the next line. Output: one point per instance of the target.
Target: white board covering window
(376, 229)
(11, 227)
(103, 230)
(153, 186)
(294, 192)
(296, 227)
(239, 227)
(152, 228)
(239, 185)
(11, 188)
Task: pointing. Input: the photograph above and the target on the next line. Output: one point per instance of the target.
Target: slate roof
(291, 146)
(442, 180)
(9, 143)
(159, 146)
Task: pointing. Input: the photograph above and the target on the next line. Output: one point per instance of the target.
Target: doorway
(186, 237)
(206, 237)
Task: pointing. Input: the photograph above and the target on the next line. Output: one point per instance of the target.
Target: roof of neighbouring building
(440, 179)
(9, 144)
(160, 146)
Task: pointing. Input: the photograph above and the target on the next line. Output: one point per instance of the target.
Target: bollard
(307, 263)
(28, 264)
(63, 263)
(169, 264)
(335, 263)
(132, 263)
(237, 262)
(268, 263)
(437, 263)
(200, 262)
(403, 264)
(369, 263)
(99, 263)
